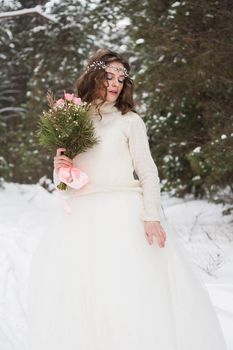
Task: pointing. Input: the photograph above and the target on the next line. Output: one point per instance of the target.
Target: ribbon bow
(73, 177)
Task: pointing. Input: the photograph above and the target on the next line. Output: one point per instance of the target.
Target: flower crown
(102, 65)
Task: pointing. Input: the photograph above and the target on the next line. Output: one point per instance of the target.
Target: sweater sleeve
(145, 169)
(56, 180)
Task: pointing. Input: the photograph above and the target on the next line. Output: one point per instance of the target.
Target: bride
(106, 276)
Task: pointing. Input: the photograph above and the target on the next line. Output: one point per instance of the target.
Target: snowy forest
(181, 58)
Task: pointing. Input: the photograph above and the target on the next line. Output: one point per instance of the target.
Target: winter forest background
(181, 56)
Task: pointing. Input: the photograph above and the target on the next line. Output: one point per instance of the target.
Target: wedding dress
(95, 282)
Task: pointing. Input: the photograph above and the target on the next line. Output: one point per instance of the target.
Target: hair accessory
(103, 65)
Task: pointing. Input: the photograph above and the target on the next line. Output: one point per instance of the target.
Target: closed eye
(121, 80)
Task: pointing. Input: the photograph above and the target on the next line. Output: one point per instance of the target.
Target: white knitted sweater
(110, 164)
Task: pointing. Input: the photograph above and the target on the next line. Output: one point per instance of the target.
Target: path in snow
(206, 235)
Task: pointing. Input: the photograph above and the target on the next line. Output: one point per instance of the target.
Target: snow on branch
(15, 110)
(31, 11)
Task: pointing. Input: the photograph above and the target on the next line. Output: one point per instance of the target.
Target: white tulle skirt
(96, 284)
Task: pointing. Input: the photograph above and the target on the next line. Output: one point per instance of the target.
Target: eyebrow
(122, 75)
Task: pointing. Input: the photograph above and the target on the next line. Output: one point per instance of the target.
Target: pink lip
(113, 92)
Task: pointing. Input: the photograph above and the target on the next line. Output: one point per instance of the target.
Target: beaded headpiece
(103, 65)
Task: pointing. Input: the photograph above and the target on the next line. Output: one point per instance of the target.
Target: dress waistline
(94, 188)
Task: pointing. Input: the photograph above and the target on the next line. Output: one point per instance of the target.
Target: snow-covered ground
(25, 209)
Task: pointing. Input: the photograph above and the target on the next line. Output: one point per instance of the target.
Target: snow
(200, 226)
(197, 149)
(35, 10)
(50, 5)
(13, 109)
(122, 23)
(197, 177)
(161, 58)
(38, 29)
(172, 12)
(11, 3)
(139, 41)
(175, 4)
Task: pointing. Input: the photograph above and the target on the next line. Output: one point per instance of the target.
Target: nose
(115, 82)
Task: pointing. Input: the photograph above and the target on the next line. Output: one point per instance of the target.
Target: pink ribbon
(64, 204)
(73, 177)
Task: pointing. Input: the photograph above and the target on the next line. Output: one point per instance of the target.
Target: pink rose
(59, 103)
(77, 100)
(69, 97)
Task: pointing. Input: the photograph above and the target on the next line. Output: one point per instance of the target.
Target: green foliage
(36, 55)
(69, 127)
(184, 78)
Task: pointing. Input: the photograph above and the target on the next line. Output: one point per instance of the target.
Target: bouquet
(66, 125)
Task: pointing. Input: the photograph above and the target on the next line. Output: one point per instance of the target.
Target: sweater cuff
(147, 217)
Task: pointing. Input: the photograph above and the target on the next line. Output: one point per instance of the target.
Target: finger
(161, 239)
(62, 163)
(165, 235)
(146, 236)
(149, 238)
(162, 235)
(162, 229)
(60, 150)
(63, 157)
(68, 161)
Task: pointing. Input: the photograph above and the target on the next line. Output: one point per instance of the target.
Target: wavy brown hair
(91, 82)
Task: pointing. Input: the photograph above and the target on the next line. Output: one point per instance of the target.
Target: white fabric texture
(123, 149)
(95, 282)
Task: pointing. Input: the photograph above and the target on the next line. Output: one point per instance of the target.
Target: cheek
(102, 90)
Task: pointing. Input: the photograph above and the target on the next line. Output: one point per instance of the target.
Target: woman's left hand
(156, 229)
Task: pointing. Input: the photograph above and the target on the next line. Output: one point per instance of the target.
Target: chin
(111, 98)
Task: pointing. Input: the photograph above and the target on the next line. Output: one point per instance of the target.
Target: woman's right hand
(60, 160)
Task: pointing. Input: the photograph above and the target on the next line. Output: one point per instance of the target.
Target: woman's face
(115, 80)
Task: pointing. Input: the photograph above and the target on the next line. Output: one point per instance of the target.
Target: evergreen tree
(184, 76)
(181, 53)
(38, 55)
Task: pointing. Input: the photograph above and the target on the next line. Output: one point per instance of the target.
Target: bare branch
(16, 111)
(31, 11)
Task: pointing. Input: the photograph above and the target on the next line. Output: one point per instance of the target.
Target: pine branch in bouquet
(50, 98)
(66, 125)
